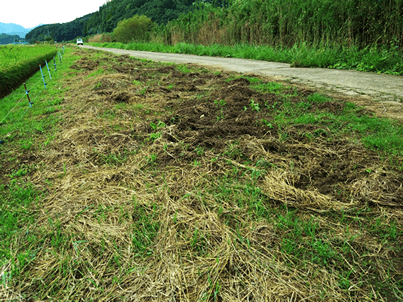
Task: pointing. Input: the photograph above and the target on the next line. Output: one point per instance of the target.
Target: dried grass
(97, 38)
(195, 252)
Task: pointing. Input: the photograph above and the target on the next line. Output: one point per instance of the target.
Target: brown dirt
(148, 151)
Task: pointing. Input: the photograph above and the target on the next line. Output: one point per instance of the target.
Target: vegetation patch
(20, 62)
(170, 182)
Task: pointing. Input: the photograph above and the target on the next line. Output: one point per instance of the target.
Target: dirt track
(361, 87)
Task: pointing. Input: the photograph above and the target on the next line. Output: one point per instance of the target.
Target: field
(19, 62)
(142, 181)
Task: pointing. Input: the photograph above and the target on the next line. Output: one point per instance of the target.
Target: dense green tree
(106, 19)
(159, 11)
(7, 39)
(59, 32)
(137, 28)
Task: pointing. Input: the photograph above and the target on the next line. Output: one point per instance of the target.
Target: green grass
(20, 62)
(120, 206)
(20, 132)
(373, 59)
(379, 134)
(303, 238)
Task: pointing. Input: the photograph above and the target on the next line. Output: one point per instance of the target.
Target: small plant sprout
(220, 103)
(254, 105)
(199, 150)
(267, 123)
(152, 159)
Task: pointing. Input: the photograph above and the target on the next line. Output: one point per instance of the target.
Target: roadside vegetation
(359, 35)
(20, 62)
(374, 59)
(136, 180)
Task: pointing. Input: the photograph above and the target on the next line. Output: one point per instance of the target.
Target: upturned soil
(167, 183)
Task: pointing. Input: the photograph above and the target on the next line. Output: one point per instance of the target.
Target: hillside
(58, 31)
(13, 29)
(7, 39)
(108, 16)
(159, 11)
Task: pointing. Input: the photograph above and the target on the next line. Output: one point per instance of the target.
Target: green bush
(137, 28)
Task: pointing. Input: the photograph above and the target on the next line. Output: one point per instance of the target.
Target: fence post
(60, 58)
(54, 63)
(43, 77)
(50, 76)
(27, 93)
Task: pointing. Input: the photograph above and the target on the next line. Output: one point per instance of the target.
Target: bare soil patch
(173, 186)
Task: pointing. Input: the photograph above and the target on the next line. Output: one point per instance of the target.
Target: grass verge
(162, 181)
(20, 62)
(373, 59)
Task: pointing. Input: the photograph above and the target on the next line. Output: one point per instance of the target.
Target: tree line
(7, 39)
(282, 23)
(106, 19)
(58, 31)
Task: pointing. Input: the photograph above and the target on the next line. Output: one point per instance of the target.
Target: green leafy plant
(254, 105)
(136, 28)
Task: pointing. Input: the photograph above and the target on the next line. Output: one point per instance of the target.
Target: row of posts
(43, 76)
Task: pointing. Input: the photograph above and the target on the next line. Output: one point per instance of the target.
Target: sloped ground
(173, 183)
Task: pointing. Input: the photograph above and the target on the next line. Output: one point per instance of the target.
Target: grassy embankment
(159, 181)
(20, 62)
(25, 132)
(359, 35)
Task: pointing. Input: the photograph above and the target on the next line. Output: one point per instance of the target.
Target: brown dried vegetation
(164, 188)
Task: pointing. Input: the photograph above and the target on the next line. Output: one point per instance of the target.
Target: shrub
(137, 28)
(96, 38)
(108, 37)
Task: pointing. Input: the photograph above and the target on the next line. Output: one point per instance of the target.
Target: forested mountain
(13, 29)
(159, 11)
(58, 31)
(108, 16)
(6, 39)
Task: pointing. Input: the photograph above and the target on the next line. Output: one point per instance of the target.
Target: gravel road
(349, 82)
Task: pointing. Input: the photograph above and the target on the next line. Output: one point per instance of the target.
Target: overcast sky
(30, 13)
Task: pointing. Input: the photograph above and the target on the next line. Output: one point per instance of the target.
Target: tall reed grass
(285, 23)
(365, 35)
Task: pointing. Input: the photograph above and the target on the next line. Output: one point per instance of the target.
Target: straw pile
(130, 217)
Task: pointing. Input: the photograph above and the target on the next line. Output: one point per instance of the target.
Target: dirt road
(363, 87)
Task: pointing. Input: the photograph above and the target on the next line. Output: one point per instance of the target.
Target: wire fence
(33, 88)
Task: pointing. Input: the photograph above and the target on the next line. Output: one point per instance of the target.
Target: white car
(80, 41)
